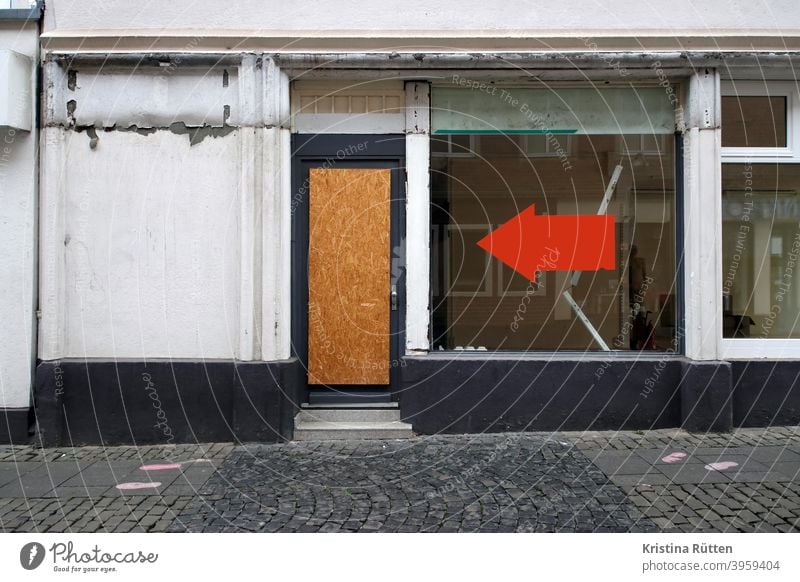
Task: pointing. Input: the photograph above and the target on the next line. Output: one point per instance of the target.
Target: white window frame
(488, 279)
(787, 89)
(757, 348)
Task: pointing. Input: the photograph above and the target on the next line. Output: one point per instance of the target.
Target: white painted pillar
(418, 199)
(276, 215)
(703, 217)
(250, 202)
(52, 219)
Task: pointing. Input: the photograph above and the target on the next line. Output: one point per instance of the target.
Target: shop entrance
(348, 265)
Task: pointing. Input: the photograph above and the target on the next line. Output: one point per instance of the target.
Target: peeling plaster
(196, 133)
(92, 133)
(72, 105)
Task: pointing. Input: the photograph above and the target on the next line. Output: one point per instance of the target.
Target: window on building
(761, 250)
(559, 150)
(753, 121)
(760, 211)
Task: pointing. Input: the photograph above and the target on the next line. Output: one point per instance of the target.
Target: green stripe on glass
(505, 131)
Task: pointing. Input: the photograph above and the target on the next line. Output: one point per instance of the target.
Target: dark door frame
(343, 151)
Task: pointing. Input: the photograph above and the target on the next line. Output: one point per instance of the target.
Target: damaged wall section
(156, 181)
(141, 184)
(150, 243)
(148, 96)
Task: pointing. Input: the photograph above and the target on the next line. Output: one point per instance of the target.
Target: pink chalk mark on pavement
(721, 466)
(136, 485)
(674, 457)
(160, 467)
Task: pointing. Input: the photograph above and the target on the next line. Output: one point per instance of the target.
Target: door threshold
(349, 395)
(378, 405)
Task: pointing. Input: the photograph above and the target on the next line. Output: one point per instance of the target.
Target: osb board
(348, 276)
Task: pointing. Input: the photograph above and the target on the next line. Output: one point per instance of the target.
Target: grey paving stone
(791, 469)
(692, 473)
(744, 462)
(629, 464)
(758, 477)
(651, 478)
(772, 454)
(655, 456)
(11, 471)
(102, 472)
(69, 492)
(26, 489)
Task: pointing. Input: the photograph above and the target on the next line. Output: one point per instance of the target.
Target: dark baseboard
(766, 393)
(474, 394)
(106, 402)
(706, 400)
(164, 401)
(463, 395)
(14, 426)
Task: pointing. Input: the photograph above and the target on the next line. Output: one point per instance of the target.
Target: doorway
(348, 272)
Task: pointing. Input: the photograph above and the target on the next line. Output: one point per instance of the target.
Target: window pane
(439, 144)
(479, 302)
(470, 270)
(754, 122)
(461, 144)
(537, 144)
(596, 111)
(499, 145)
(760, 250)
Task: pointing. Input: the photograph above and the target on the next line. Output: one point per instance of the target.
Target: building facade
(244, 210)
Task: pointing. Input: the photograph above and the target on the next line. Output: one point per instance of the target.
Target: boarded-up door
(348, 276)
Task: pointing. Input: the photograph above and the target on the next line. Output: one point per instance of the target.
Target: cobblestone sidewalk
(626, 481)
(747, 481)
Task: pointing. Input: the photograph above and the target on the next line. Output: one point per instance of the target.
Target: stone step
(306, 406)
(348, 396)
(332, 431)
(348, 415)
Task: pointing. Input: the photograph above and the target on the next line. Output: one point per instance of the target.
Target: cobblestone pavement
(74, 489)
(470, 483)
(624, 481)
(670, 476)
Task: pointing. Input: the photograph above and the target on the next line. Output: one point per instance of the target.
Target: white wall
(17, 240)
(150, 246)
(389, 25)
(152, 243)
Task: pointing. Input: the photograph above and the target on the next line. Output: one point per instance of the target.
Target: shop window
(760, 211)
(761, 251)
(560, 151)
(753, 121)
(760, 121)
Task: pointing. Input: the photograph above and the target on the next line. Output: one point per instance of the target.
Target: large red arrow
(528, 243)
